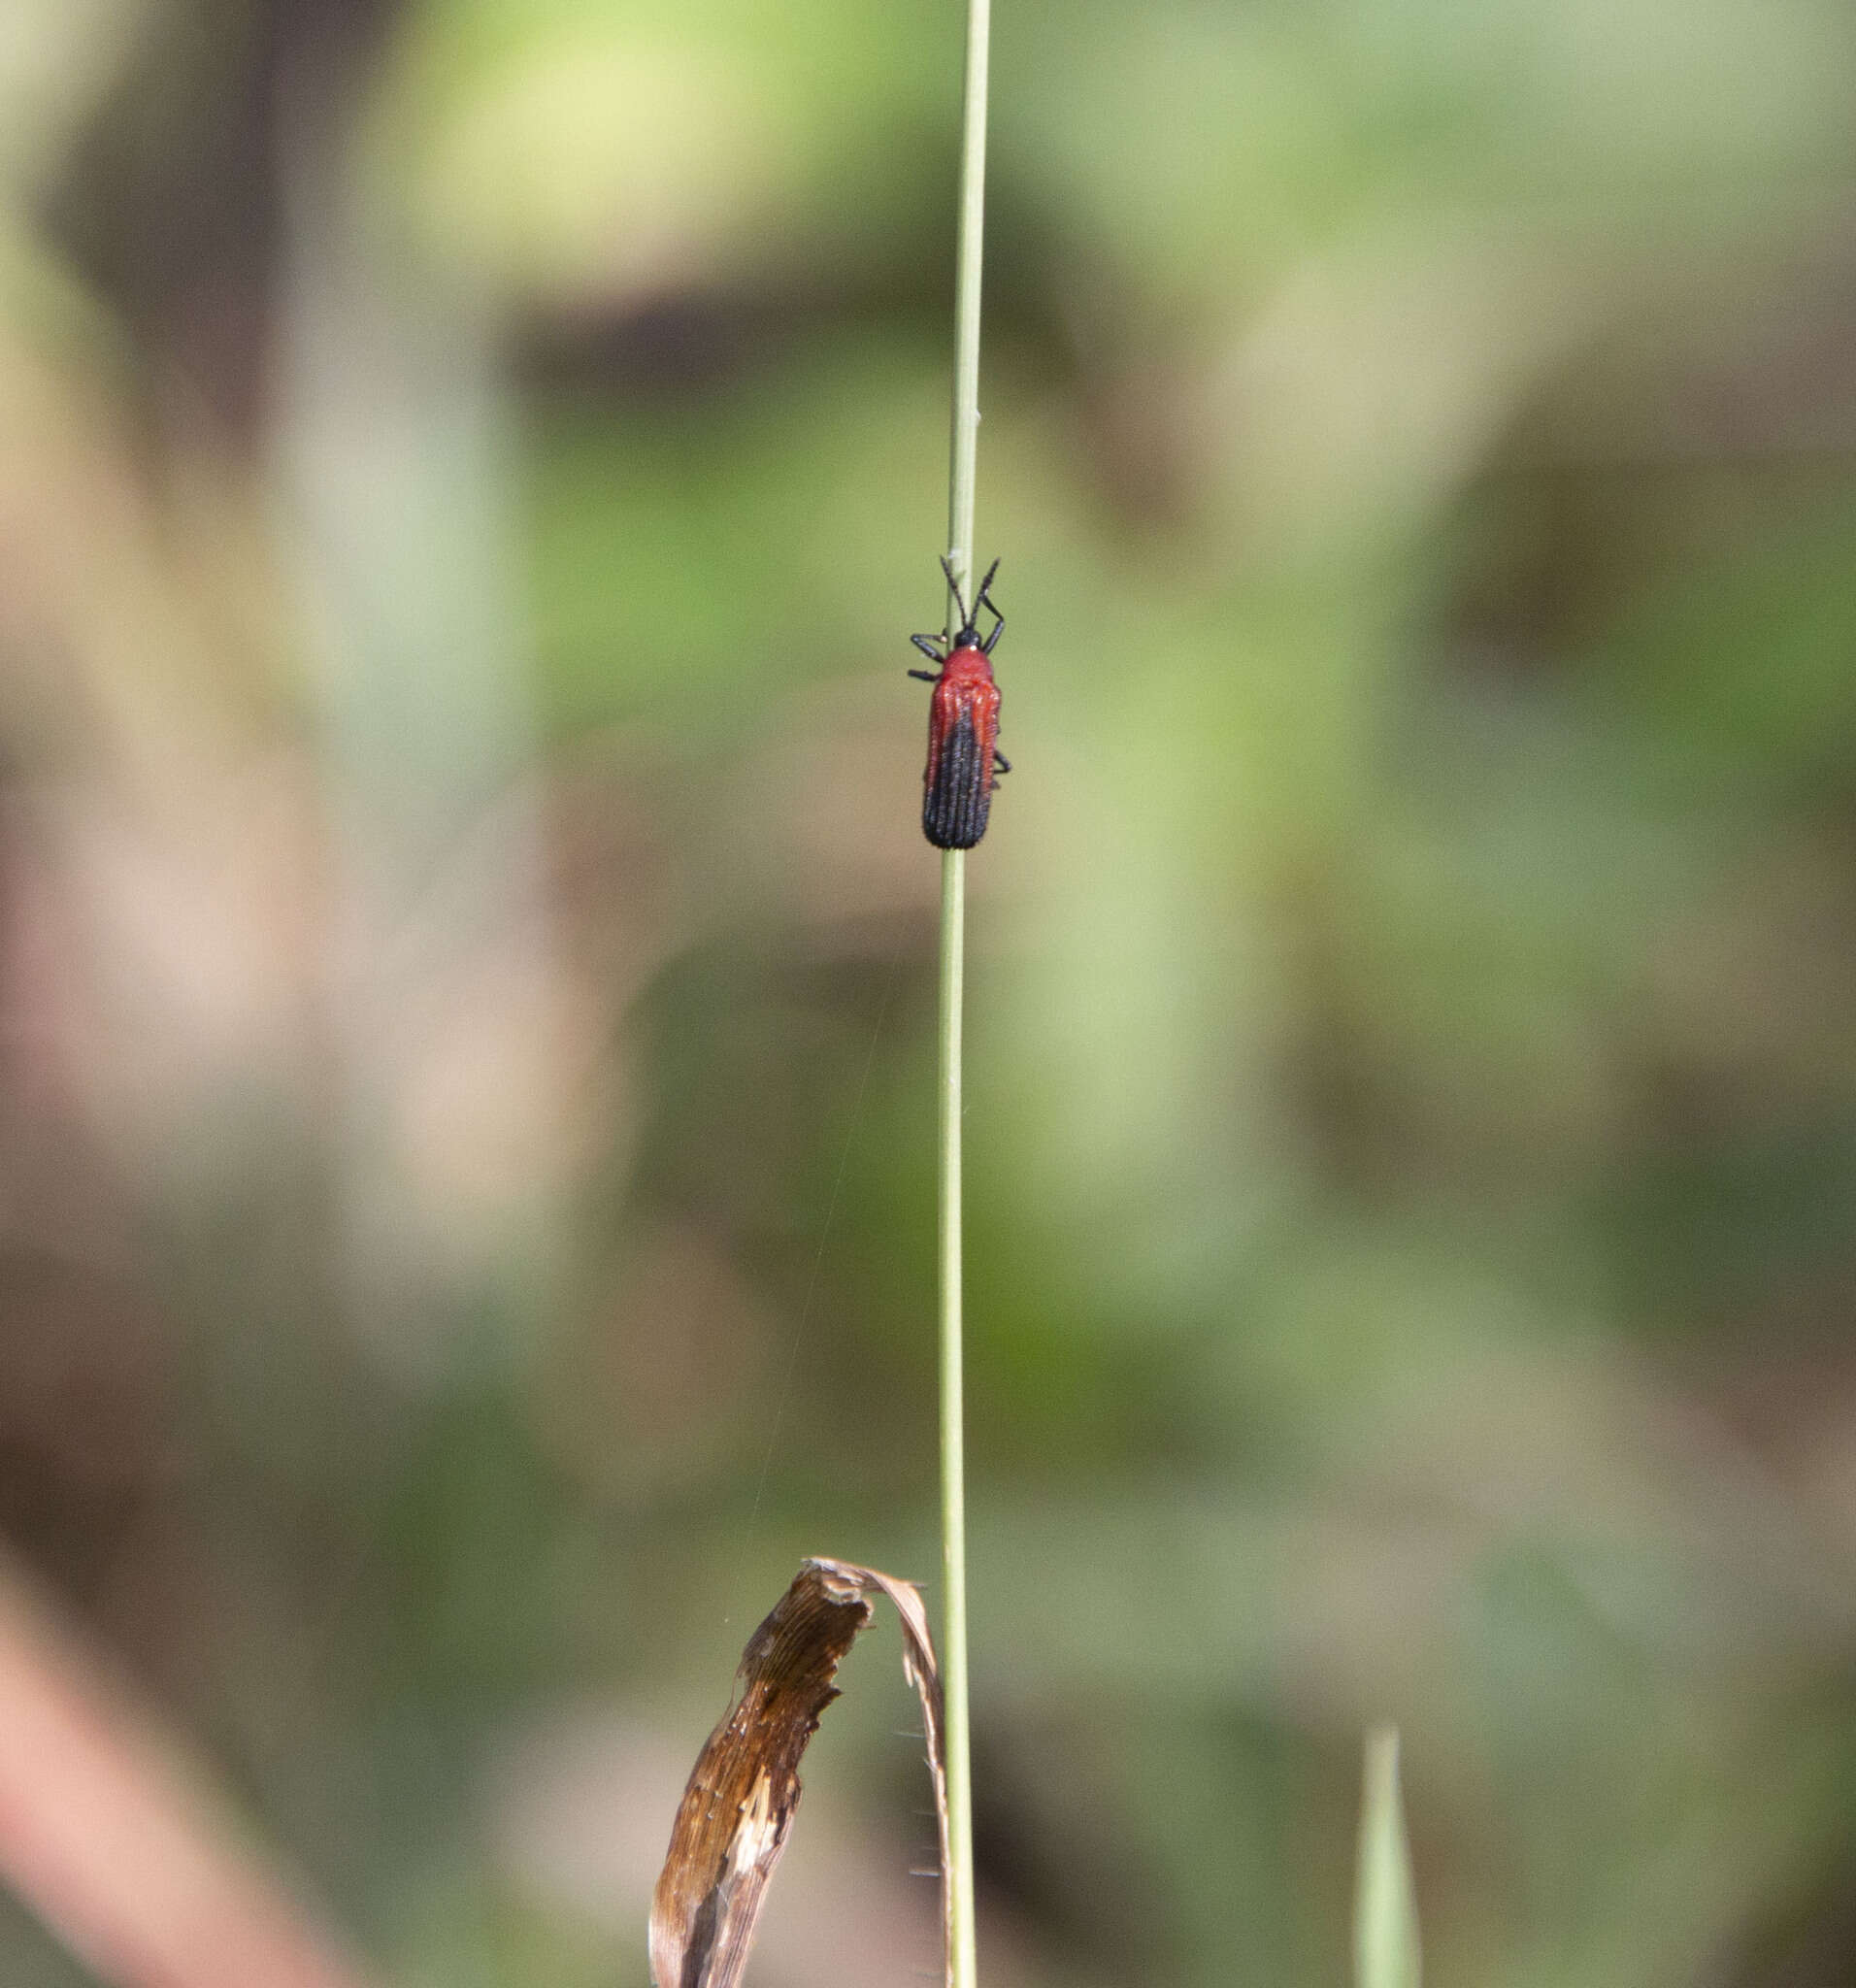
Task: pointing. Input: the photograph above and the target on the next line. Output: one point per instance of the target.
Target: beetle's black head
(967, 635)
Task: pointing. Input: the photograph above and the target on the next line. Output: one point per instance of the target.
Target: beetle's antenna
(983, 599)
(966, 620)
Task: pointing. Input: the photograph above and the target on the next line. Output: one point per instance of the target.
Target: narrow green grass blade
(1385, 1909)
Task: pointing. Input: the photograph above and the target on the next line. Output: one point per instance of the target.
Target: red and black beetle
(962, 724)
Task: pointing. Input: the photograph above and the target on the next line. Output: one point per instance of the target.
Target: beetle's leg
(926, 675)
(1000, 760)
(926, 644)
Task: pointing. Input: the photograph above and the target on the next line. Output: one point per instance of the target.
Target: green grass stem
(953, 1494)
(962, 1964)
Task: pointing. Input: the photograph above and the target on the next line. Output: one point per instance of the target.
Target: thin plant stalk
(962, 1965)
(968, 257)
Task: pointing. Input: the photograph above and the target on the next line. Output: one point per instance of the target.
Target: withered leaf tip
(738, 1806)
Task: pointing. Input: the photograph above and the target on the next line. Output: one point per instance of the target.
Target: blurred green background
(468, 469)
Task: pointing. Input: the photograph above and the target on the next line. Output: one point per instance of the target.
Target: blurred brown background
(468, 469)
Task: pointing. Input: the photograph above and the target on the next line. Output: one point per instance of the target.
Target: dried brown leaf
(737, 1808)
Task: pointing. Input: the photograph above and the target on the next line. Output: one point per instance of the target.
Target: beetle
(964, 759)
